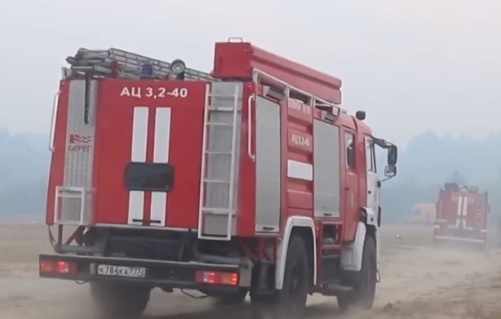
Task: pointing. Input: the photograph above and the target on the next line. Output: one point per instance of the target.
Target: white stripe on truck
(462, 212)
(138, 154)
(465, 213)
(136, 207)
(299, 170)
(161, 146)
(139, 134)
(160, 155)
(460, 206)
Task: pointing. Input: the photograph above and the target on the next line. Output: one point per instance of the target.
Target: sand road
(418, 282)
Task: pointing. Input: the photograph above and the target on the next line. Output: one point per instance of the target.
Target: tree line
(424, 165)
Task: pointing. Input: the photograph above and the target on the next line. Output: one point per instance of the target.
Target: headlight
(177, 67)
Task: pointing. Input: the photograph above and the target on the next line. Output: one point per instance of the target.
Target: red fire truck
(248, 180)
(462, 215)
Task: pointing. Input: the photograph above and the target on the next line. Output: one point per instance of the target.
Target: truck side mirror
(390, 171)
(392, 155)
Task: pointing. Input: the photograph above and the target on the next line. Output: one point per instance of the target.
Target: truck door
(373, 185)
(350, 183)
(147, 157)
(373, 182)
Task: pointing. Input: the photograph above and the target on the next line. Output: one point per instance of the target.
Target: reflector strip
(139, 134)
(464, 213)
(299, 170)
(161, 145)
(162, 135)
(462, 210)
(160, 155)
(136, 207)
(138, 154)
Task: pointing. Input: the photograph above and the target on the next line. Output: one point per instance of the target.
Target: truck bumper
(154, 273)
(460, 239)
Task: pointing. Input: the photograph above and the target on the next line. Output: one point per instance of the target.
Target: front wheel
(363, 281)
(119, 300)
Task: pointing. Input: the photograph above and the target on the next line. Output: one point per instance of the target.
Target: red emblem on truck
(79, 139)
(79, 143)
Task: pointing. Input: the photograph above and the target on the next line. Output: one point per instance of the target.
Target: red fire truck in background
(462, 214)
(248, 180)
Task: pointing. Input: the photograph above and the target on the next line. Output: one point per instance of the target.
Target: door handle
(249, 127)
(370, 192)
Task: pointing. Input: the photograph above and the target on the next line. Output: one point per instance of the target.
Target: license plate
(121, 271)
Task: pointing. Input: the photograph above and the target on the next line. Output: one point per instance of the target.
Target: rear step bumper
(460, 239)
(155, 273)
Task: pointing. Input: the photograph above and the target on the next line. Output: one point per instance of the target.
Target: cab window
(370, 155)
(349, 139)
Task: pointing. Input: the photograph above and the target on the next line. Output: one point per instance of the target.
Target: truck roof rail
(123, 64)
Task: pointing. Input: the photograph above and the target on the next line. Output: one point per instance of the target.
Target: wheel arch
(372, 223)
(351, 254)
(304, 227)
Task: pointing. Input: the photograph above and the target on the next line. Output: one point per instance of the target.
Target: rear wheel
(363, 281)
(230, 299)
(119, 300)
(290, 301)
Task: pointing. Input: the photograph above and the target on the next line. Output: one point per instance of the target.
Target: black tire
(118, 300)
(290, 301)
(231, 299)
(363, 281)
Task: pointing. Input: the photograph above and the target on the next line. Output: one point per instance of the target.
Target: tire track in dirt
(418, 282)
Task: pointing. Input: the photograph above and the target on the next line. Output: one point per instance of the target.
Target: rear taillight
(217, 278)
(57, 267)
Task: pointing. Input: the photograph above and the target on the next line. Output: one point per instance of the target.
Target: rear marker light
(63, 267)
(46, 266)
(217, 278)
(57, 267)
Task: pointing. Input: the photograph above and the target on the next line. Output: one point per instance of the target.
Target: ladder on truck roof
(123, 64)
(218, 182)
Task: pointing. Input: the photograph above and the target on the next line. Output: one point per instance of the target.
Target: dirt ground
(417, 282)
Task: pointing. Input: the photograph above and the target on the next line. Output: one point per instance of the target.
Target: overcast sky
(412, 65)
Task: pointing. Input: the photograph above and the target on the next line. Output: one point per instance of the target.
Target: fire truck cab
(248, 180)
(462, 215)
